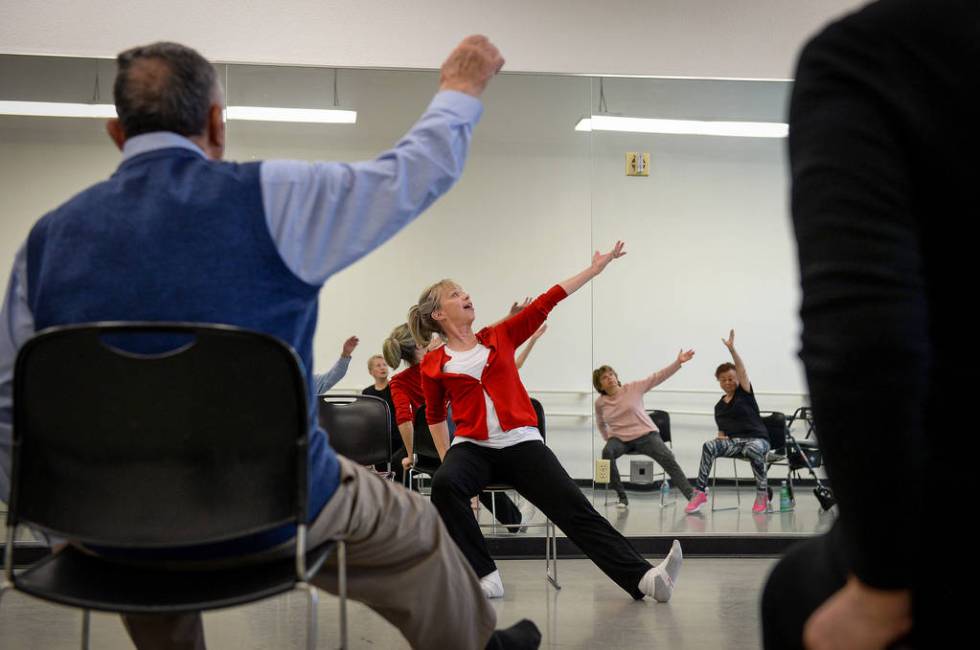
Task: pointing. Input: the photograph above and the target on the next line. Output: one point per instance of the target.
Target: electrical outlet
(602, 470)
(637, 163)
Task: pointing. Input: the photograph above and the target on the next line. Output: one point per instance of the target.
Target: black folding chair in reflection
(662, 420)
(797, 455)
(96, 461)
(359, 428)
(775, 423)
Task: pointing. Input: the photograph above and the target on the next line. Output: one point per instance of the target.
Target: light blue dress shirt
(322, 216)
(326, 381)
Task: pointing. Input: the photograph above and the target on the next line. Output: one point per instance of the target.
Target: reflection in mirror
(707, 225)
(706, 230)
(516, 223)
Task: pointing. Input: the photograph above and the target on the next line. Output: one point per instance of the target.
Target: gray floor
(715, 606)
(645, 517)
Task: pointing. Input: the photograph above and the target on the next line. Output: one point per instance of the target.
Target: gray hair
(164, 87)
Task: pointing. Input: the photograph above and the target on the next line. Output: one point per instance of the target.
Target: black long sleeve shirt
(883, 147)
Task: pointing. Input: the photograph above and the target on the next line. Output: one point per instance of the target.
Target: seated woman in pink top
(626, 427)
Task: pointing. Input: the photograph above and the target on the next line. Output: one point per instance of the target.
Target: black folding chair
(551, 536)
(359, 427)
(97, 462)
(775, 423)
(425, 456)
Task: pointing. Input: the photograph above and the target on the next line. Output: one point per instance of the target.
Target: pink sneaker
(761, 505)
(697, 502)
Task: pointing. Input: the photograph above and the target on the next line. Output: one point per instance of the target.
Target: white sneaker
(659, 581)
(492, 585)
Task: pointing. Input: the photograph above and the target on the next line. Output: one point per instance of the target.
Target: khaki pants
(401, 563)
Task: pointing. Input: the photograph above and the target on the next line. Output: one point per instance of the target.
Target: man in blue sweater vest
(177, 235)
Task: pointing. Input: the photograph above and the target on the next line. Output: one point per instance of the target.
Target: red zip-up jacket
(499, 379)
(406, 393)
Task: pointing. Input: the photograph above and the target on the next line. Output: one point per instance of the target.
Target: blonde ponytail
(399, 346)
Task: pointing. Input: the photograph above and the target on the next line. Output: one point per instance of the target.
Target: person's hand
(859, 617)
(518, 306)
(349, 346)
(406, 462)
(470, 66)
(601, 260)
(730, 342)
(683, 357)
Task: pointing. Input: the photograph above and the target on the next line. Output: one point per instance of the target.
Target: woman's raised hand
(601, 260)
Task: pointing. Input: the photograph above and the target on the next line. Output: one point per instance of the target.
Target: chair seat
(73, 578)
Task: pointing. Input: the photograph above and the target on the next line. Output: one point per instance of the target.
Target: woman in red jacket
(497, 439)
(406, 394)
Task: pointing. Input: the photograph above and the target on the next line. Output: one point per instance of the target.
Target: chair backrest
(662, 420)
(776, 426)
(539, 410)
(422, 444)
(358, 426)
(202, 442)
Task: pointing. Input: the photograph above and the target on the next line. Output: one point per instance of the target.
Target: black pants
(496, 502)
(535, 473)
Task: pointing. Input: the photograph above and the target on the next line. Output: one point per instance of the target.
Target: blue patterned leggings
(754, 449)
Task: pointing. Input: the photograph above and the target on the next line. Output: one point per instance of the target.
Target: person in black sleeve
(883, 152)
(741, 432)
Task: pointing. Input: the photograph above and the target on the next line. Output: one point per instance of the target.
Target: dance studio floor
(715, 606)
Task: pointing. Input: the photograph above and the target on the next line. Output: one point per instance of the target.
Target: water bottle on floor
(664, 489)
(785, 503)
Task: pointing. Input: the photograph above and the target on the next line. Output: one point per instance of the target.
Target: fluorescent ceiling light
(57, 109)
(256, 113)
(683, 127)
(273, 114)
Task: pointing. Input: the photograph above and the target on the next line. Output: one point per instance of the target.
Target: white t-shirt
(472, 362)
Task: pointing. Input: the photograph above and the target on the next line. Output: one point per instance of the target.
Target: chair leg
(86, 628)
(493, 507)
(312, 599)
(738, 491)
(551, 554)
(714, 481)
(342, 591)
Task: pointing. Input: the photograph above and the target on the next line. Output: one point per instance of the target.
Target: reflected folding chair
(96, 461)
(662, 420)
(797, 455)
(775, 423)
(551, 536)
(358, 426)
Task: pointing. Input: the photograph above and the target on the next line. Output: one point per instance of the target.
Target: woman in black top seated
(741, 432)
